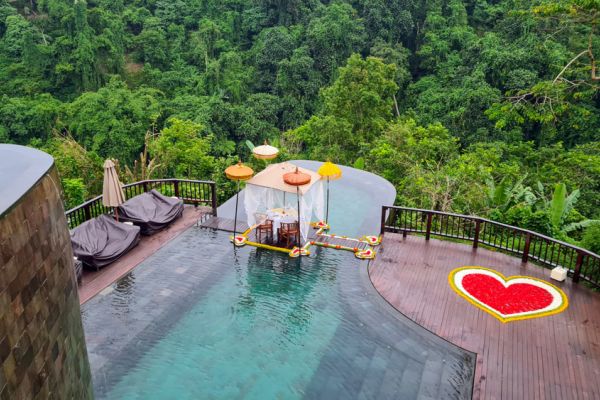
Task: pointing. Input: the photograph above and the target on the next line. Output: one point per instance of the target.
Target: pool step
(431, 379)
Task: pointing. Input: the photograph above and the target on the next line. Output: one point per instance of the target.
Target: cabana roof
(272, 177)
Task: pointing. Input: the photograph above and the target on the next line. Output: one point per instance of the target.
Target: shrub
(591, 238)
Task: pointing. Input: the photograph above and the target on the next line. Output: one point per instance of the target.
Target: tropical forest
(479, 107)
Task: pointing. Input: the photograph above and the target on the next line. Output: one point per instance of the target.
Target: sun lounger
(100, 241)
(151, 211)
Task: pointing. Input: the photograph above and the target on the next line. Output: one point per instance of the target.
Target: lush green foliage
(591, 238)
(474, 106)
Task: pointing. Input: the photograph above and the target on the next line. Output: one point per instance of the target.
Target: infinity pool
(202, 320)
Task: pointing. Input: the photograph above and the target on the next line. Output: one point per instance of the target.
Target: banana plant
(561, 205)
(504, 195)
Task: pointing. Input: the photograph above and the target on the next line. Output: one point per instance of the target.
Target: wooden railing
(190, 191)
(549, 252)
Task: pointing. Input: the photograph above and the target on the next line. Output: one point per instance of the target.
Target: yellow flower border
(367, 254)
(489, 310)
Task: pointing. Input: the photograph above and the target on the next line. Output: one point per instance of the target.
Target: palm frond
(580, 225)
(570, 201)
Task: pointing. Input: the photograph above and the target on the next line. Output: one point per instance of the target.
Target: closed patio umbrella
(332, 172)
(238, 173)
(112, 190)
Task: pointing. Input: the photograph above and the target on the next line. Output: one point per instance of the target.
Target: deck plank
(555, 357)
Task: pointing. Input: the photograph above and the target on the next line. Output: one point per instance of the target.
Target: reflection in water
(281, 289)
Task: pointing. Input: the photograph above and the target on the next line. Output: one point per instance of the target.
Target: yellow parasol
(332, 172)
(238, 173)
(265, 152)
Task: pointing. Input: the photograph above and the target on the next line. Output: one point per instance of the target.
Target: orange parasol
(239, 172)
(297, 179)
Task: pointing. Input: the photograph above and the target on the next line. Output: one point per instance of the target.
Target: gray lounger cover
(102, 240)
(151, 211)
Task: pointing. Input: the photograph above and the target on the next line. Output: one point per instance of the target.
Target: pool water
(259, 332)
(202, 320)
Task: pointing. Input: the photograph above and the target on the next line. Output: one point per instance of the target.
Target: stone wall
(42, 346)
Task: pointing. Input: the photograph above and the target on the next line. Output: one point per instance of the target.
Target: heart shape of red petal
(507, 299)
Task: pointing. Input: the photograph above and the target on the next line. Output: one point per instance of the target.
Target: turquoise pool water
(259, 332)
(202, 320)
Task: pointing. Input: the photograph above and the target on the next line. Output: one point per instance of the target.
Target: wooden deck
(93, 282)
(554, 357)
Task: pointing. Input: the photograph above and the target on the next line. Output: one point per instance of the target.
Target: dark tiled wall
(42, 347)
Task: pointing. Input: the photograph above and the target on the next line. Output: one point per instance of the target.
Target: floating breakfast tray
(362, 248)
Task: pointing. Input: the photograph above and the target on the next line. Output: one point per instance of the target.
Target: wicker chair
(289, 232)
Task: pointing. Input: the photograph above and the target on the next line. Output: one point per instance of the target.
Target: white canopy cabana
(267, 190)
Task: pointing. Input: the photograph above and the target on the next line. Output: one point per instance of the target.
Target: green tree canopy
(182, 152)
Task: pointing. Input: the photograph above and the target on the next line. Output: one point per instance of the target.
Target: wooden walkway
(554, 357)
(93, 282)
(331, 242)
(224, 224)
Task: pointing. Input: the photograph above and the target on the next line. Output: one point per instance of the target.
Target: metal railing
(529, 245)
(190, 191)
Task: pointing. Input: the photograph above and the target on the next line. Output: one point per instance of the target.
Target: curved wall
(42, 346)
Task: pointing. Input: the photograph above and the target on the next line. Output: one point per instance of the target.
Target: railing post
(383, 209)
(477, 229)
(86, 211)
(176, 184)
(145, 186)
(213, 189)
(428, 229)
(526, 249)
(578, 264)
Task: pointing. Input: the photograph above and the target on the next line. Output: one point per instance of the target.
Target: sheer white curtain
(258, 199)
(312, 207)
